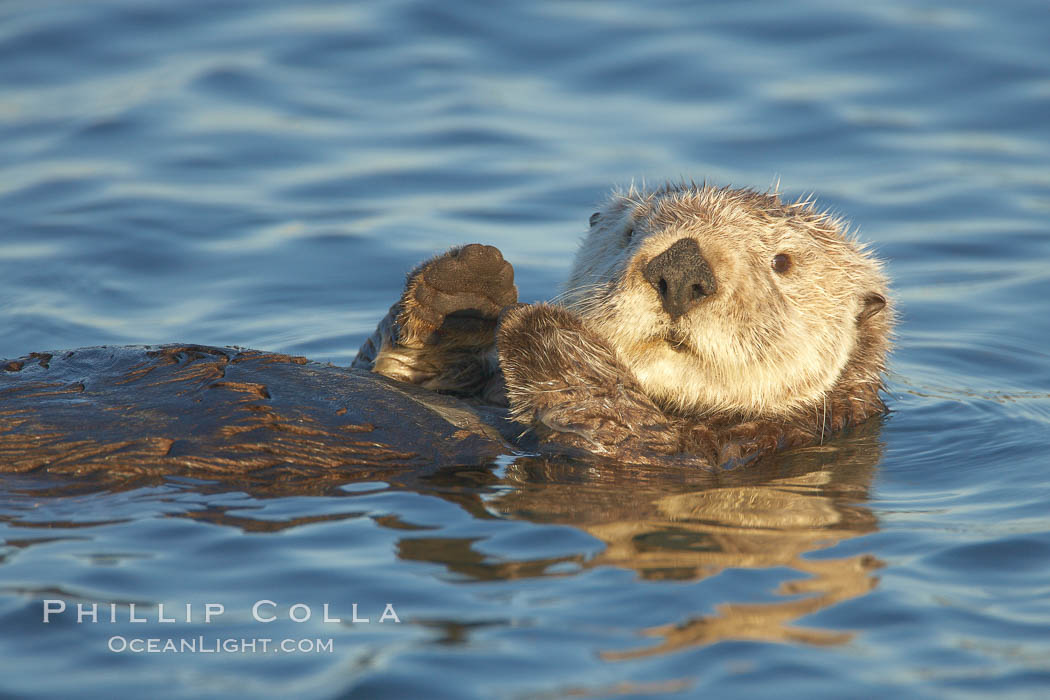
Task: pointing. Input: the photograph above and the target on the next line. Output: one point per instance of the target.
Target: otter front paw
(567, 383)
(455, 299)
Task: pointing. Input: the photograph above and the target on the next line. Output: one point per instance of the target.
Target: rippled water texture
(262, 174)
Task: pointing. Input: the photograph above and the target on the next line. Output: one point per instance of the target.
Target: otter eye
(628, 233)
(595, 216)
(781, 263)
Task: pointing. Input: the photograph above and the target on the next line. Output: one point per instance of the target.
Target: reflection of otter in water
(669, 524)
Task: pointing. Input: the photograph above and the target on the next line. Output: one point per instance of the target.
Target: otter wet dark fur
(699, 326)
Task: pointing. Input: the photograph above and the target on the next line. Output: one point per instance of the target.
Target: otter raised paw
(441, 333)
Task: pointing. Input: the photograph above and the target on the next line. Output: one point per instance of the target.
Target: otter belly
(191, 409)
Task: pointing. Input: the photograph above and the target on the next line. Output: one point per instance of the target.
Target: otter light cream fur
(767, 343)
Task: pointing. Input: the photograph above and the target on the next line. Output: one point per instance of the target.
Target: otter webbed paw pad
(457, 297)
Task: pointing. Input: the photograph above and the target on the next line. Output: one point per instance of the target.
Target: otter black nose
(681, 277)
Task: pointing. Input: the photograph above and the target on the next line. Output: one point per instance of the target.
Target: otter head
(730, 301)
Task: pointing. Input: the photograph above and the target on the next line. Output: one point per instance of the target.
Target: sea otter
(698, 326)
(701, 323)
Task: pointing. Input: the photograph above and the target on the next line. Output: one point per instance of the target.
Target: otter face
(723, 300)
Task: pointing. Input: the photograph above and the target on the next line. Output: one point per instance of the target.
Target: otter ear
(873, 304)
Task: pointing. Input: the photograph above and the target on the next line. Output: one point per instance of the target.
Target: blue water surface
(264, 173)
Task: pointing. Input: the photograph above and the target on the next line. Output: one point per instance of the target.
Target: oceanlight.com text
(218, 645)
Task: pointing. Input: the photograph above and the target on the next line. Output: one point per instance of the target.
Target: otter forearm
(370, 349)
(434, 366)
(567, 385)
